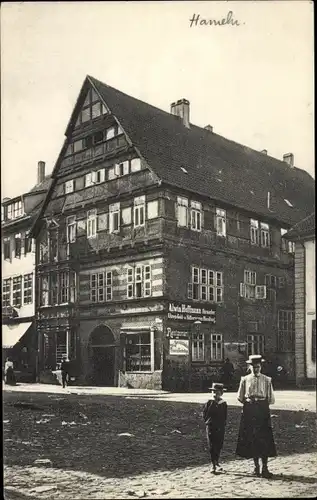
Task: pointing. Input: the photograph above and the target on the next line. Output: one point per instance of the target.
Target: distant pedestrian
(9, 377)
(255, 434)
(227, 373)
(65, 370)
(215, 417)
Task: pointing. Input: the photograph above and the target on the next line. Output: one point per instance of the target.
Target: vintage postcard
(158, 250)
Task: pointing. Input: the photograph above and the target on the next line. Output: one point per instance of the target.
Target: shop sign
(179, 347)
(185, 312)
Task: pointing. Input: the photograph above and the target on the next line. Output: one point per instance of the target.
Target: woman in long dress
(255, 434)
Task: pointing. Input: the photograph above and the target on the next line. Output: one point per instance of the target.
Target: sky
(252, 82)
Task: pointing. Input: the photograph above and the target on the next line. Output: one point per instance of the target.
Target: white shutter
(242, 290)
(135, 164)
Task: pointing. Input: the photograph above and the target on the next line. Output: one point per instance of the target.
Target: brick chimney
(209, 128)
(264, 151)
(289, 158)
(181, 108)
(40, 171)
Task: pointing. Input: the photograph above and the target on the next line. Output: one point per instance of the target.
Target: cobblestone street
(99, 446)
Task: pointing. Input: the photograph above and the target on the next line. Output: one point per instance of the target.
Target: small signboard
(179, 347)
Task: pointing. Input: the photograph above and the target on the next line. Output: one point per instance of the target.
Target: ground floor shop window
(138, 352)
(255, 344)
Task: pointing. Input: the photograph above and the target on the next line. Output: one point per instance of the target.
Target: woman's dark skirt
(215, 438)
(255, 434)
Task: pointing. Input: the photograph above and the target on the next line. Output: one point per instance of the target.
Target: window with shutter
(182, 212)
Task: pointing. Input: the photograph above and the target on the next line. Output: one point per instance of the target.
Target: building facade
(19, 338)
(304, 235)
(153, 263)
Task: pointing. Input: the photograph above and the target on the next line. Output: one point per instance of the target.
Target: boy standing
(215, 417)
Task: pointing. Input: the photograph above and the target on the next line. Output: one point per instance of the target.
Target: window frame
(221, 222)
(92, 223)
(147, 367)
(216, 347)
(255, 343)
(69, 186)
(286, 336)
(28, 289)
(198, 347)
(114, 210)
(17, 292)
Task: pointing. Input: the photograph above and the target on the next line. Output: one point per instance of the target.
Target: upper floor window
(135, 164)
(92, 108)
(287, 246)
(91, 223)
(69, 186)
(114, 218)
(71, 229)
(139, 281)
(57, 288)
(139, 211)
(6, 249)
(265, 235)
(249, 289)
(101, 286)
(27, 244)
(122, 168)
(17, 245)
(254, 231)
(195, 215)
(17, 209)
(182, 212)
(53, 245)
(28, 288)
(6, 292)
(206, 285)
(221, 223)
(17, 291)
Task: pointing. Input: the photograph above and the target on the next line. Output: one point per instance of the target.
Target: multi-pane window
(139, 281)
(17, 245)
(69, 186)
(249, 284)
(138, 352)
(27, 244)
(64, 287)
(221, 224)
(270, 281)
(44, 291)
(287, 246)
(139, 211)
(216, 346)
(122, 168)
(53, 245)
(17, 209)
(6, 249)
(198, 347)
(152, 209)
(71, 229)
(6, 292)
(182, 211)
(28, 288)
(195, 215)
(7, 212)
(265, 235)
(286, 329)
(206, 285)
(92, 108)
(101, 286)
(91, 223)
(254, 231)
(90, 179)
(114, 218)
(53, 289)
(17, 291)
(255, 344)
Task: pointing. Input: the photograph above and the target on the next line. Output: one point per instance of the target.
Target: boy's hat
(255, 358)
(217, 387)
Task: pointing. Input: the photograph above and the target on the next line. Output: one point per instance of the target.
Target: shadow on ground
(82, 433)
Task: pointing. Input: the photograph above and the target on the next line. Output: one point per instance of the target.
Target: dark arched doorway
(102, 356)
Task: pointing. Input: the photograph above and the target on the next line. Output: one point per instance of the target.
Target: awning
(11, 334)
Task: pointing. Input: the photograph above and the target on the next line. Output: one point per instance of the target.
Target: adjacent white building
(303, 234)
(18, 276)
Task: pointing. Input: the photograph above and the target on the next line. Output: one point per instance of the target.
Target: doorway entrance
(102, 356)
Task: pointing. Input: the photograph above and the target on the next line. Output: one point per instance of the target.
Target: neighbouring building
(304, 235)
(19, 338)
(160, 248)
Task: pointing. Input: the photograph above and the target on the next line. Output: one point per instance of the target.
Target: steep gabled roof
(216, 167)
(304, 228)
(203, 162)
